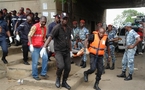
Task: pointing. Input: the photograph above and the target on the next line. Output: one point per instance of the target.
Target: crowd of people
(60, 39)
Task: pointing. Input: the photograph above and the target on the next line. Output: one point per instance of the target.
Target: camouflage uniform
(82, 35)
(75, 33)
(111, 35)
(128, 57)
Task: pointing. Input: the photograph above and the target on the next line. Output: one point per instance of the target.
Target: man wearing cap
(61, 34)
(3, 32)
(83, 35)
(75, 34)
(111, 38)
(131, 40)
(50, 27)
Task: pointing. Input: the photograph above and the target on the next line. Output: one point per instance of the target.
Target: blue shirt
(131, 37)
(50, 27)
(24, 29)
(4, 28)
(14, 20)
(83, 33)
(21, 19)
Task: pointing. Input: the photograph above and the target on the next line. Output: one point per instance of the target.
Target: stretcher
(77, 56)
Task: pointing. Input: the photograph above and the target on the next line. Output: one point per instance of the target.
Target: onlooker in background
(7, 19)
(83, 35)
(3, 31)
(50, 27)
(14, 19)
(36, 18)
(24, 28)
(111, 39)
(21, 18)
(36, 38)
(139, 46)
(75, 35)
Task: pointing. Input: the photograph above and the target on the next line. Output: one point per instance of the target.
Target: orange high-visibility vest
(97, 46)
(38, 37)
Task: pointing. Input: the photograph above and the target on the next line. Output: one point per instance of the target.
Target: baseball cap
(110, 25)
(64, 15)
(56, 15)
(82, 21)
(128, 24)
(75, 22)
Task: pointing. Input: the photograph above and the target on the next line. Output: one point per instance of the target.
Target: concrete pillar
(104, 19)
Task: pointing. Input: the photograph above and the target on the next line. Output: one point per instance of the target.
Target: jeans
(139, 47)
(35, 57)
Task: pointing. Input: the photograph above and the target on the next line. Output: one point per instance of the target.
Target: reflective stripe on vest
(97, 46)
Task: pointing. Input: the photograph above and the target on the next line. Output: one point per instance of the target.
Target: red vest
(38, 38)
(97, 46)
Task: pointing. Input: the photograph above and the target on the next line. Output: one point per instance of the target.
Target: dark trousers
(49, 54)
(96, 62)
(4, 46)
(63, 63)
(25, 48)
(139, 47)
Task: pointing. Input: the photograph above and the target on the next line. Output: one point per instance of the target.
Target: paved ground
(109, 80)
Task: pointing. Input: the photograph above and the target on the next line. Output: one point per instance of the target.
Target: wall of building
(80, 10)
(34, 5)
(43, 7)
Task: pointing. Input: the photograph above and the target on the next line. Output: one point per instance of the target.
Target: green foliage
(126, 16)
